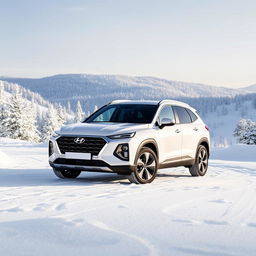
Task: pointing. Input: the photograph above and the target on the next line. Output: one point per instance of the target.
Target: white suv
(133, 138)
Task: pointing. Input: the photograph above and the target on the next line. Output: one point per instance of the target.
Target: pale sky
(205, 41)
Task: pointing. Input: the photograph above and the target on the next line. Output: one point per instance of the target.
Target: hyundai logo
(79, 140)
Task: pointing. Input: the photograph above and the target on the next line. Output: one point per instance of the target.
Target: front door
(169, 138)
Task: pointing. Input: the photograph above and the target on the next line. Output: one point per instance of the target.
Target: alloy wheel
(146, 166)
(202, 160)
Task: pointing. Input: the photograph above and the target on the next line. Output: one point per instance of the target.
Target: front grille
(80, 162)
(90, 145)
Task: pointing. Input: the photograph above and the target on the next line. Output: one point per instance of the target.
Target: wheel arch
(149, 143)
(205, 142)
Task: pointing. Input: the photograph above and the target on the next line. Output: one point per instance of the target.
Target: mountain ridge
(84, 75)
(250, 88)
(97, 90)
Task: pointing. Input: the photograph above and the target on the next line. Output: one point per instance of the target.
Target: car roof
(152, 102)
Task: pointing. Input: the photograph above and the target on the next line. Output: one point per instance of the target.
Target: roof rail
(173, 102)
(118, 101)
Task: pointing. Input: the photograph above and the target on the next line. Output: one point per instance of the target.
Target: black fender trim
(142, 144)
(201, 141)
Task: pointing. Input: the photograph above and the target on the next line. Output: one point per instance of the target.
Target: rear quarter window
(192, 115)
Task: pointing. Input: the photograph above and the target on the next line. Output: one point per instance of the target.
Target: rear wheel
(201, 163)
(146, 167)
(66, 174)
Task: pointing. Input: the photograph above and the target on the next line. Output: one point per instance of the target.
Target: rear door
(190, 131)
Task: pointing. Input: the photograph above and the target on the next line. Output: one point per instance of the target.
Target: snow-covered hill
(94, 90)
(220, 107)
(103, 214)
(251, 88)
(10, 88)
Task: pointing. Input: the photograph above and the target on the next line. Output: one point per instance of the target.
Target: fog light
(122, 151)
(125, 148)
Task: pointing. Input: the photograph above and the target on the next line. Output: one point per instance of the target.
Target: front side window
(182, 115)
(166, 112)
(124, 113)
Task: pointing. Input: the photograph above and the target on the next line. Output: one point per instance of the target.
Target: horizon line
(124, 75)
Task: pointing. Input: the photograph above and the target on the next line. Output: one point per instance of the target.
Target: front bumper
(121, 169)
(105, 161)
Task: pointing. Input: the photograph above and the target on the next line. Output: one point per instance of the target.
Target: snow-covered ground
(103, 214)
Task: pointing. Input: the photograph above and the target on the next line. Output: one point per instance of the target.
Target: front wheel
(201, 162)
(66, 174)
(146, 167)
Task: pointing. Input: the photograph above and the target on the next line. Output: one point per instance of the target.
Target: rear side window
(182, 115)
(192, 115)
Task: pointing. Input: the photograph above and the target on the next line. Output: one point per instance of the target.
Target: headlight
(122, 136)
(55, 135)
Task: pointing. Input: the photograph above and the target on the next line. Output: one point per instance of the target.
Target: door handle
(177, 130)
(195, 129)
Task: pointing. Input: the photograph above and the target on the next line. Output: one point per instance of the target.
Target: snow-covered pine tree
(1, 92)
(1, 107)
(79, 112)
(32, 133)
(246, 132)
(19, 120)
(240, 129)
(61, 115)
(68, 108)
(51, 123)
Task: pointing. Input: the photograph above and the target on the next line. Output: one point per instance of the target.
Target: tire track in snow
(152, 249)
(238, 210)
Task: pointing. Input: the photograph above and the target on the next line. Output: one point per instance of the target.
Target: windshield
(124, 113)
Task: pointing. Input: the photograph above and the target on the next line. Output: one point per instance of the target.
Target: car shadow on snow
(45, 177)
(172, 175)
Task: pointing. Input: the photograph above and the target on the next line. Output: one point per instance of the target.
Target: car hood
(100, 129)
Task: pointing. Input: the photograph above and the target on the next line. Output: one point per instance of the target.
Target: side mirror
(165, 122)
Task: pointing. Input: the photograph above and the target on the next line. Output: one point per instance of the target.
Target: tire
(66, 174)
(146, 167)
(201, 162)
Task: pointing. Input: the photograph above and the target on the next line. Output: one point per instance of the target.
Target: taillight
(50, 148)
(207, 128)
